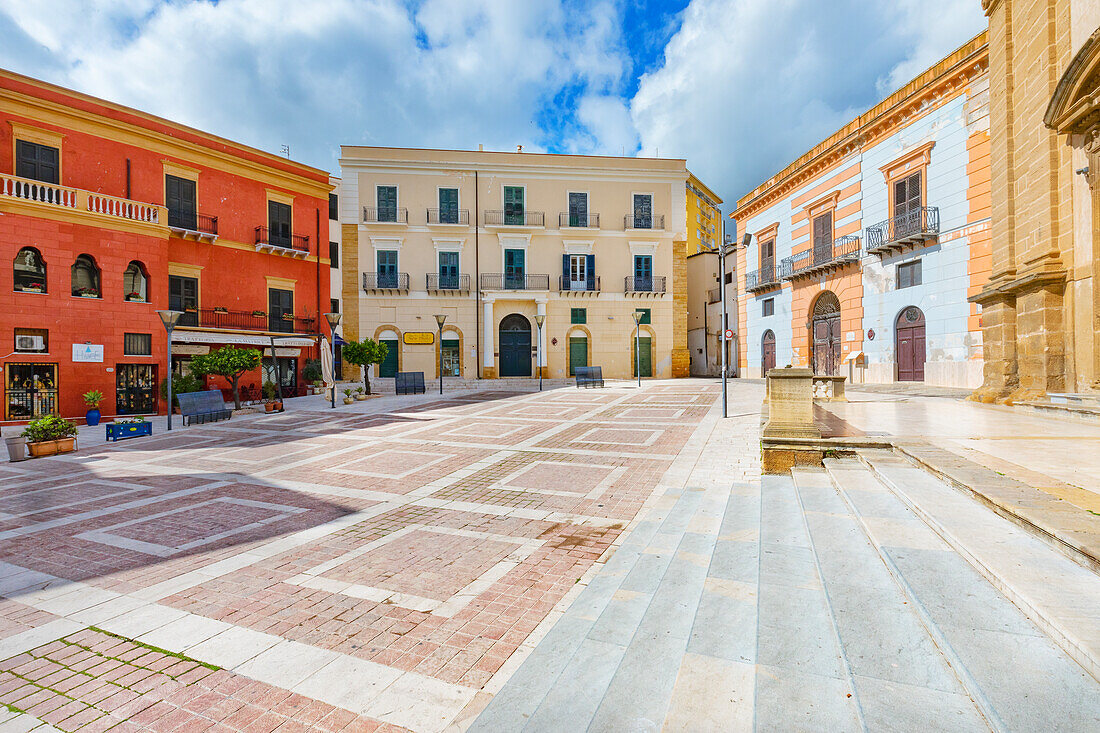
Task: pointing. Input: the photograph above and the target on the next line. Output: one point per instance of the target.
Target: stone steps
(983, 588)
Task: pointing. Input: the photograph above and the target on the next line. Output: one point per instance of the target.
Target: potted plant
(50, 435)
(348, 399)
(87, 292)
(132, 427)
(359, 394)
(92, 400)
(269, 392)
(135, 298)
(33, 288)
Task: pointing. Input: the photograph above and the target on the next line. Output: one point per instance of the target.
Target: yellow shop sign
(419, 338)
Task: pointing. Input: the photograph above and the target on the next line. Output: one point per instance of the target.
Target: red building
(107, 215)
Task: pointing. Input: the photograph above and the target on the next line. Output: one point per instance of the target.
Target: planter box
(52, 447)
(123, 431)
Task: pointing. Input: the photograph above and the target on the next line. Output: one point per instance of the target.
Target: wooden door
(388, 367)
(767, 355)
(578, 354)
(644, 356)
(824, 330)
(910, 345)
(515, 346)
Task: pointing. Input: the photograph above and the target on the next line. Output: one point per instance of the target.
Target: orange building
(107, 215)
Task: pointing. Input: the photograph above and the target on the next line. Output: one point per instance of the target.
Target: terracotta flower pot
(52, 447)
(269, 406)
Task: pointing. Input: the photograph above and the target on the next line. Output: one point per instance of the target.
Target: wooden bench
(829, 388)
(203, 407)
(589, 376)
(409, 383)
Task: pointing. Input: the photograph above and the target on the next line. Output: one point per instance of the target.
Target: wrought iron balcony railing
(296, 242)
(912, 227)
(634, 221)
(636, 284)
(578, 221)
(193, 222)
(501, 281)
(764, 278)
(498, 218)
(385, 281)
(821, 259)
(257, 320)
(449, 216)
(450, 283)
(385, 215)
(591, 285)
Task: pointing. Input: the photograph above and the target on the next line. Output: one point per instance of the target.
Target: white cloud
(749, 85)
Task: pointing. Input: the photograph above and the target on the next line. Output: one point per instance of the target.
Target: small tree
(364, 353)
(228, 362)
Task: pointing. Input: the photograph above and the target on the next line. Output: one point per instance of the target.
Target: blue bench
(589, 376)
(409, 383)
(203, 407)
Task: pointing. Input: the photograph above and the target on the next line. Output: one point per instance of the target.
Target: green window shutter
(646, 313)
(578, 315)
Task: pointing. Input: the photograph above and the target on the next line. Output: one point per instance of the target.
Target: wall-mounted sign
(88, 352)
(418, 338)
(871, 334)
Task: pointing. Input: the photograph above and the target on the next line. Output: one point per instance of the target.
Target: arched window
(30, 271)
(85, 277)
(135, 283)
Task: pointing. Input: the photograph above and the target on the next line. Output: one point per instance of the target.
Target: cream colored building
(491, 240)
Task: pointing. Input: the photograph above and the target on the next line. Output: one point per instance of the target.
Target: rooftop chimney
(519, 148)
(481, 147)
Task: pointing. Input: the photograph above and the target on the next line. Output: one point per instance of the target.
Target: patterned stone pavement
(372, 568)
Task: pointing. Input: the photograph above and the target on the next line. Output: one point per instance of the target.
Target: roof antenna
(285, 150)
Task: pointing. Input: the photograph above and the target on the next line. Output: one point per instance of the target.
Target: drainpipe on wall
(477, 274)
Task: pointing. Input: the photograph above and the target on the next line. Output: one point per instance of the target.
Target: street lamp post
(539, 320)
(169, 319)
(439, 319)
(638, 344)
(333, 321)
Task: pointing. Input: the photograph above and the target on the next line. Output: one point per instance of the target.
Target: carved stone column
(1092, 149)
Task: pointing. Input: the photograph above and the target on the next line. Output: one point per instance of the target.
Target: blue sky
(737, 87)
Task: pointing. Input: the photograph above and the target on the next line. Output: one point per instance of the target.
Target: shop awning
(218, 337)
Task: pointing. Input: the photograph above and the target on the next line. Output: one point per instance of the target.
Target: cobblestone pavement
(386, 567)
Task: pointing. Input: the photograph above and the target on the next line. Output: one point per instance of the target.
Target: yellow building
(704, 218)
(496, 240)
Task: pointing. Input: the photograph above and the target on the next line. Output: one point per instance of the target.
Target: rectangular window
(386, 200)
(643, 211)
(333, 305)
(909, 274)
(448, 270)
(646, 315)
(37, 162)
(280, 310)
(578, 272)
(643, 273)
(514, 269)
(334, 255)
(278, 223)
(578, 315)
(768, 307)
(387, 268)
(513, 205)
(907, 196)
(578, 209)
(183, 296)
(32, 341)
(179, 199)
(137, 344)
(448, 206)
(729, 278)
(333, 206)
(823, 237)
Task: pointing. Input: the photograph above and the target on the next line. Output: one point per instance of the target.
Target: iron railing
(912, 226)
(568, 219)
(635, 221)
(501, 281)
(821, 258)
(385, 215)
(636, 284)
(565, 285)
(297, 242)
(496, 217)
(385, 281)
(193, 222)
(257, 320)
(765, 277)
(449, 216)
(459, 283)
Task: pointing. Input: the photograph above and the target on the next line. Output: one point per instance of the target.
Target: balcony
(579, 287)
(910, 229)
(530, 219)
(765, 278)
(436, 283)
(821, 259)
(567, 220)
(644, 285)
(499, 281)
(449, 217)
(381, 281)
(50, 195)
(385, 215)
(223, 318)
(199, 227)
(635, 222)
(288, 245)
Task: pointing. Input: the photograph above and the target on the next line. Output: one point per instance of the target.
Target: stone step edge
(962, 673)
(1087, 657)
(1079, 554)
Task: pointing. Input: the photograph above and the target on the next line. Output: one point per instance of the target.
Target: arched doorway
(515, 346)
(909, 345)
(767, 353)
(824, 330)
(389, 366)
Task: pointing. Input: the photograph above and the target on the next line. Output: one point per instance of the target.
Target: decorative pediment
(1075, 107)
